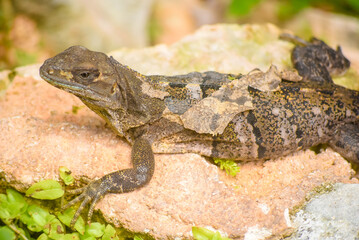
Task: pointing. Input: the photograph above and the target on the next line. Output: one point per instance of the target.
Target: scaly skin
(247, 120)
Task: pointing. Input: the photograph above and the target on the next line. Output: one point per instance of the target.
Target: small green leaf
(12, 205)
(75, 109)
(217, 236)
(95, 229)
(7, 233)
(200, 233)
(36, 218)
(110, 233)
(231, 78)
(45, 190)
(5, 213)
(54, 229)
(66, 218)
(87, 237)
(65, 175)
(14, 196)
(43, 237)
(136, 237)
(38, 214)
(29, 221)
(71, 236)
(229, 166)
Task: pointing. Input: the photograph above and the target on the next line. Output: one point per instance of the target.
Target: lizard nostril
(51, 71)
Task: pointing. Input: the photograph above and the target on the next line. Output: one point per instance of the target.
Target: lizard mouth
(75, 88)
(58, 82)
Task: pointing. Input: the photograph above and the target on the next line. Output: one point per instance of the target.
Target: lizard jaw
(72, 87)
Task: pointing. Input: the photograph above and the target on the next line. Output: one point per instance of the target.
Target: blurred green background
(33, 30)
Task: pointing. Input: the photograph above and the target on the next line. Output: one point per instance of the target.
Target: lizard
(256, 116)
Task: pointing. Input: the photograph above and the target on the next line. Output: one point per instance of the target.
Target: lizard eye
(85, 75)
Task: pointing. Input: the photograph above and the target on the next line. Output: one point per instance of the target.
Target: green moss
(75, 109)
(230, 166)
(319, 190)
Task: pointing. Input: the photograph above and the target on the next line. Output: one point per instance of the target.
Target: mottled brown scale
(244, 117)
(179, 93)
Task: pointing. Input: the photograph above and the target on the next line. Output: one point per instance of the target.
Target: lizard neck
(129, 91)
(130, 107)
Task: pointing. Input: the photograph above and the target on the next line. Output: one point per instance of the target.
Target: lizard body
(243, 117)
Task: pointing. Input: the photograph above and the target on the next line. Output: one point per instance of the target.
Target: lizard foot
(91, 193)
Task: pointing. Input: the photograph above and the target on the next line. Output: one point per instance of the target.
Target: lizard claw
(92, 193)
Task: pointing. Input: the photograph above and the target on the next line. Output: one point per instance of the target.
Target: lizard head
(94, 77)
(87, 74)
(334, 60)
(112, 90)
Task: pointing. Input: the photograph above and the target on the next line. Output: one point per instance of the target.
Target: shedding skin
(248, 117)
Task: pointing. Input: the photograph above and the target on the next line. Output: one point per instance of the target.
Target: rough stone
(330, 216)
(42, 129)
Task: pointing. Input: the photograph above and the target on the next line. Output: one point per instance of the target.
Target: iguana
(245, 117)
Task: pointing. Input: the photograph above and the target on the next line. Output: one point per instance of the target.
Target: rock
(332, 215)
(224, 48)
(44, 128)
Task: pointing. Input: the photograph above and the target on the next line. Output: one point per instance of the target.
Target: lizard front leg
(117, 182)
(346, 142)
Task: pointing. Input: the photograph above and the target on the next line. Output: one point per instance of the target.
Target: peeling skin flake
(212, 114)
